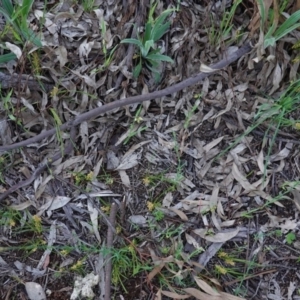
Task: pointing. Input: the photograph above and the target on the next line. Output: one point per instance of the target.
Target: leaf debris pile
(204, 180)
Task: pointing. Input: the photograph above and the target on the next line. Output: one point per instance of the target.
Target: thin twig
(250, 276)
(133, 100)
(110, 238)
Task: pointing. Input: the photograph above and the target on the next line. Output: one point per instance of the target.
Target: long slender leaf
(152, 63)
(158, 32)
(262, 13)
(148, 45)
(137, 69)
(147, 34)
(56, 117)
(25, 8)
(30, 35)
(7, 57)
(8, 7)
(132, 41)
(160, 20)
(288, 23)
(155, 73)
(5, 14)
(160, 57)
(269, 33)
(287, 31)
(151, 12)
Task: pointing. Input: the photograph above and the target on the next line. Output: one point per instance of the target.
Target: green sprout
(148, 51)
(16, 16)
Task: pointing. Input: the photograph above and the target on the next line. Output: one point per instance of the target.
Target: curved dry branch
(105, 108)
(133, 100)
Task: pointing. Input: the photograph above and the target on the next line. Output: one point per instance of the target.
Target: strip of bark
(17, 81)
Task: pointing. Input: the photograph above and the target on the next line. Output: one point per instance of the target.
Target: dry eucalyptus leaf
(174, 295)
(220, 237)
(203, 285)
(125, 178)
(55, 203)
(138, 220)
(181, 214)
(128, 162)
(202, 296)
(15, 49)
(206, 69)
(51, 241)
(35, 291)
(94, 219)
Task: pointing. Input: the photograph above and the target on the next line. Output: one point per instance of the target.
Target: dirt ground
(192, 195)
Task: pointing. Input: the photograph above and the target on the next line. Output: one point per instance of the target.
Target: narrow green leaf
(270, 31)
(288, 23)
(160, 20)
(137, 69)
(103, 27)
(262, 13)
(56, 117)
(25, 8)
(6, 15)
(132, 41)
(155, 73)
(160, 57)
(8, 7)
(147, 34)
(151, 12)
(281, 34)
(148, 45)
(152, 63)
(155, 51)
(7, 57)
(269, 42)
(30, 35)
(12, 117)
(160, 28)
(158, 32)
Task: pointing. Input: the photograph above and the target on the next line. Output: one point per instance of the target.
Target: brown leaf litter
(163, 162)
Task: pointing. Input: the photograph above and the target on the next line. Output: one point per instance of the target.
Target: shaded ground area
(192, 195)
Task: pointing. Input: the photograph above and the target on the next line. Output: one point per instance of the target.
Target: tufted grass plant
(148, 52)
(16, 16)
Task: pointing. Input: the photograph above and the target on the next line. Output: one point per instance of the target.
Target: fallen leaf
(220, 237)
(35, 291)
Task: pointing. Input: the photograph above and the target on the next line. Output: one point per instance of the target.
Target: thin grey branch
(133, 100)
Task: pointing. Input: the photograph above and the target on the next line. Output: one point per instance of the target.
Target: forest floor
(191, 195)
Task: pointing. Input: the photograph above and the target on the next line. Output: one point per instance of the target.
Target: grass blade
(25, 9)
(160, 57)
(137, 69)
(7, 57)
(29, 35)
(287, 24)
